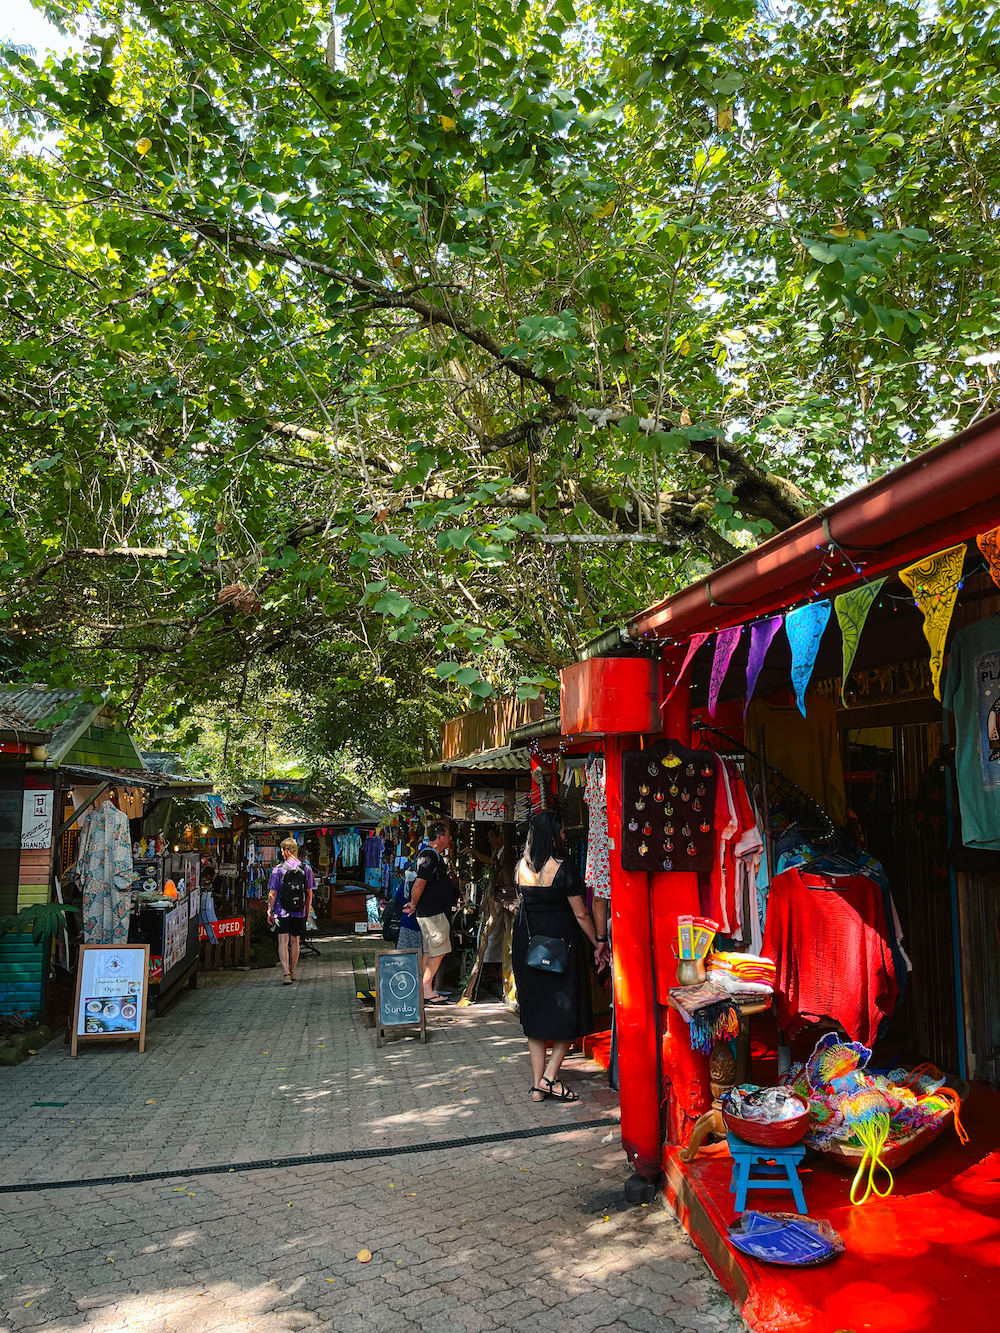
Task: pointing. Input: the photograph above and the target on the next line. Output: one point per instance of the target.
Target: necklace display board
(112, 982)
(668, 808)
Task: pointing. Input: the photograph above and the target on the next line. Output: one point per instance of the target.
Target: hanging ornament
(696, 641)
(761, 635)
(852, 611)
(804, 628)
(934, 583)
(725, 645)
(989, 545)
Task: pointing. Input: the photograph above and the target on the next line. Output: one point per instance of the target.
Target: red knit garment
(830, 947)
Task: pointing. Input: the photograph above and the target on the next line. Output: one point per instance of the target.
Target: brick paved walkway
(529, 1234)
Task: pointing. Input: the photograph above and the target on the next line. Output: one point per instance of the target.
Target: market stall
(88, 806)
(848, 835)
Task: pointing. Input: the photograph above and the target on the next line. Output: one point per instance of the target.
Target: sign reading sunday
(399, 996)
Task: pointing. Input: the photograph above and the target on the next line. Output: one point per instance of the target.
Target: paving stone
(498, 1237)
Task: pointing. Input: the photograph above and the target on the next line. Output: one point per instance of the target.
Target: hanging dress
(105, 871)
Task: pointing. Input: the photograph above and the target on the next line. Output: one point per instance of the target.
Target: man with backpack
(290, 891)
(433, 899)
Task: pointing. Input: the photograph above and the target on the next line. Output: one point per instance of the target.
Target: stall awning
(161, 784)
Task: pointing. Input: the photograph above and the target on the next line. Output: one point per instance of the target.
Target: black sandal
(541, 1090)
(567, 1095)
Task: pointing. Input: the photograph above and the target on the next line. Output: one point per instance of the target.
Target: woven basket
(780, 1134)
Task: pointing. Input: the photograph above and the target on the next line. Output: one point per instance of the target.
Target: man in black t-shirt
(433, 898)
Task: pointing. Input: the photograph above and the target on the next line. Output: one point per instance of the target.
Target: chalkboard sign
(111, 986)
(399, 994)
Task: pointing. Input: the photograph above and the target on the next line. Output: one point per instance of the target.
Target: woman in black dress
(553, 1005)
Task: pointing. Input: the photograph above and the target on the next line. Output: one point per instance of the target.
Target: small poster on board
(111, 990)
(36, 821)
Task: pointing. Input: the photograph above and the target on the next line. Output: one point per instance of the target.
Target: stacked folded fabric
(742, 972)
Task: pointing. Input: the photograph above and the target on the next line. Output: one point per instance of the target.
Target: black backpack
(292, 894)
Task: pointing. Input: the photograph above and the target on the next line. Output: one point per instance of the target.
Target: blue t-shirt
(972, 692)
(274, 886)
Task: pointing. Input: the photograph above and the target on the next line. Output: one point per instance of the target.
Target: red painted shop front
(929, 1253)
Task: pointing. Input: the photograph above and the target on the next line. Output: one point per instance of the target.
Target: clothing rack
(781, 792)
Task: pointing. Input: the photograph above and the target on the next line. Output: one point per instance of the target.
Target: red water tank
(615, 696)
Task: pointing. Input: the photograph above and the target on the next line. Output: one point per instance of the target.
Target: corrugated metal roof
(38, 704)
(35, 704)
(159, 761)
(137, 777)
(502, 759)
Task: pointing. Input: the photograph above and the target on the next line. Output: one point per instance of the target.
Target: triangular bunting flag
(989, 544)
(804, 628)
(852, 611)
(934, 583)
(696, 641)
(725, 646)
(761, 635)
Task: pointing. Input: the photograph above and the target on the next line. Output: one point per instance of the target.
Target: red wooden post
(635, 1004)
(686, 1089)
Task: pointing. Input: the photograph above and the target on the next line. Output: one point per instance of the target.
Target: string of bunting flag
(934, 584)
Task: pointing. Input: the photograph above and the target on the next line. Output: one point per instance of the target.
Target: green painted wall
(104, 747)
(22, 974)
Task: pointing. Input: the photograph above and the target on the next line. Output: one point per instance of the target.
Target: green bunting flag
(852, 611)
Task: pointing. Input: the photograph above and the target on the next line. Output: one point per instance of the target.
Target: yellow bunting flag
(852, 611)
(989, 544)
(934, 583)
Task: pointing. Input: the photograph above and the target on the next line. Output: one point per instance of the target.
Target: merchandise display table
(724, 1073)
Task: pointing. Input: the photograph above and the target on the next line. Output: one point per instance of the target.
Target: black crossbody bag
(547, 953)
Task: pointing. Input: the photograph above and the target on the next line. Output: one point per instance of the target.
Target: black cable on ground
(361, 1154)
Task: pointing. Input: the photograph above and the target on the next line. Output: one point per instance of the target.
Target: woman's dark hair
(545, 839)
(435, 829)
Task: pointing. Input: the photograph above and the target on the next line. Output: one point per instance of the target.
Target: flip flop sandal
(435, 1004)
(567, 1095)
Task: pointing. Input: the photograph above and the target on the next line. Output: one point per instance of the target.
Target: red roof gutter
(947, 495)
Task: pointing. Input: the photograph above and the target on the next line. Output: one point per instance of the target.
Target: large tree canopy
(451, 333)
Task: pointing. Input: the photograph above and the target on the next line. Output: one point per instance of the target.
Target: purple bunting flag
(761, 635)
(725, 646)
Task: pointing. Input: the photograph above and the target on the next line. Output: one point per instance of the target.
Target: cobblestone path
(529, 1234)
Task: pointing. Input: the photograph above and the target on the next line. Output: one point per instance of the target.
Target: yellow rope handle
(874, 1138)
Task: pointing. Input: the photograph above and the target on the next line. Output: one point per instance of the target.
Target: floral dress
(597, 875)
(105, 870)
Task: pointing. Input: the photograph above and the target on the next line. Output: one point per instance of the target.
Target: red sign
(155, 969)
(234, 925)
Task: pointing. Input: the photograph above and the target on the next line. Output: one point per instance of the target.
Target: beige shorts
(436, 934)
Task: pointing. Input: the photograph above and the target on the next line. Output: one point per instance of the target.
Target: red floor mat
(926, 1258)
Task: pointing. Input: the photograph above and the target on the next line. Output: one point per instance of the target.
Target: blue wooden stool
(752, 1170)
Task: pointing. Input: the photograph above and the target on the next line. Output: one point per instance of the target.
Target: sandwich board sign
(112, 983)
(399, 994)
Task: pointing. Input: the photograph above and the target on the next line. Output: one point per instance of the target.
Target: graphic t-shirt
(972, 692)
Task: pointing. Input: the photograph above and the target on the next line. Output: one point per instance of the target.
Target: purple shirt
(274, 885)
